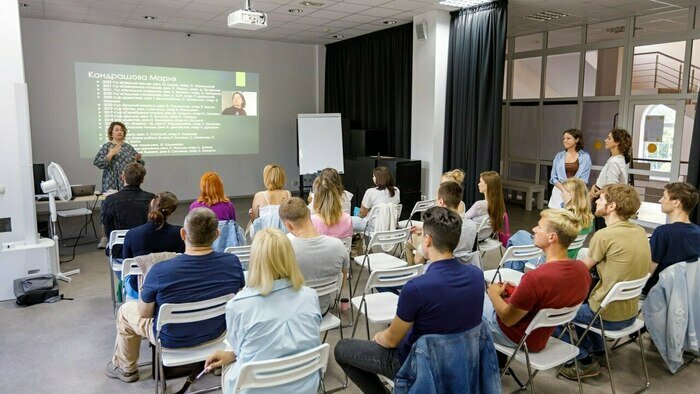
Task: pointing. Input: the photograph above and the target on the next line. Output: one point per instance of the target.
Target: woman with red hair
(212, 196)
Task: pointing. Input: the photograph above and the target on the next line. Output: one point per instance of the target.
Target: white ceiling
(317, 25)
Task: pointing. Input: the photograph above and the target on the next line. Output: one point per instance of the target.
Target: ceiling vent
(546, 16)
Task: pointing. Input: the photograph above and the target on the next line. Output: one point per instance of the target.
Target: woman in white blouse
(619, 143)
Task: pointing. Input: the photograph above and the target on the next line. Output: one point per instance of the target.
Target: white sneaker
(103, 243)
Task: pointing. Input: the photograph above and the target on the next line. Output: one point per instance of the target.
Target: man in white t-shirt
(319, 256)
(449, 196)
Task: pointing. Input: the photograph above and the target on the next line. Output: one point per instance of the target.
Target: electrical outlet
(295, 183)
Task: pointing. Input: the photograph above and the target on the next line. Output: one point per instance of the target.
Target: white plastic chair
(381, 260)
(184, 313)
(486, 239)
(130, 267)
(420, 207)
(116, 237)
(513, 253)
(621, 291)
(576, 244)
(280, 371)
(327, 287)
(555, 353)
(381, 307)
(243, 254)
(330, 321)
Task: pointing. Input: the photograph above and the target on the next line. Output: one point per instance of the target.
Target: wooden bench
(529, 189)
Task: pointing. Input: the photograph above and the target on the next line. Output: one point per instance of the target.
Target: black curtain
(694, 161)
(368, 80)
(475, 92)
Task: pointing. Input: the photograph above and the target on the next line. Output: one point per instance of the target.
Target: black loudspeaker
(357, 177)
(408, 200)
(39, 176)
(406, 173)
(368, 142)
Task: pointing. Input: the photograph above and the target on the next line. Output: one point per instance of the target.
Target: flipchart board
(320, 142)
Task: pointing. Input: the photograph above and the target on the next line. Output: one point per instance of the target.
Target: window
(603, 72)
(694, 78)
(562, 75)
(658, 69)
(527, 76)
(530, 42)
(662, 22)
(612, 30)
(564, 37)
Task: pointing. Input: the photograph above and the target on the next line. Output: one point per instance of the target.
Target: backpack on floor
(35, 289)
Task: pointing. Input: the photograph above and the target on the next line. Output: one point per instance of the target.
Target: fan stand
(64, 276)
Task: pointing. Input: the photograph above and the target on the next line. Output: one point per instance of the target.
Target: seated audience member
(273, 316)
(449, 196)
(319, 256)
(619, 252)
(270, 199)
(328, 217)
(383, 192)
(492, 206)
(456, 175)
(444, 300)
(333, 176)
(576, 200)
(679, 240)
(157, 235)
(212, 196)
(128, 207)
(558, 283)
(199, 274)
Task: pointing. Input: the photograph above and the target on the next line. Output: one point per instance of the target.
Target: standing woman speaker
(112, 157)
(619, 143)
(572, 162)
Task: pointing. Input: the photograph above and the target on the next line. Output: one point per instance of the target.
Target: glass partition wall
(640, 73)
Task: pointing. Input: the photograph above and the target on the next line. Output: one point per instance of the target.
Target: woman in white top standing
(619, 143)
(383, 192)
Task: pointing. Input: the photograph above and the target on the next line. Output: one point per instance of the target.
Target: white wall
(428, 98)
(289, 84)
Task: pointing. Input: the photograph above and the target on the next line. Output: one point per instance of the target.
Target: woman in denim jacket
(572, 162)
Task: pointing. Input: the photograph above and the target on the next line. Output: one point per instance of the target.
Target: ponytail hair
(624, 140)
(161, 208)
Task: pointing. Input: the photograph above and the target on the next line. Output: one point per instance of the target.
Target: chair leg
(530, 378)
(367, 322)
(607, 356)
(644, 362)
(111, 289)
(578, 373)
(357, 318)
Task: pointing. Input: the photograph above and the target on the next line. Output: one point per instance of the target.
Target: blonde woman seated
(273, 316)
(345, 196)
(328, 217)
(270, 199)
(576, 201)
(456, 175)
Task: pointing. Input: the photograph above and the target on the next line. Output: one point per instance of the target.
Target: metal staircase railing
(657, 70)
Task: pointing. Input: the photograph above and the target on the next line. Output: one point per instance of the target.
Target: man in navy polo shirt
(446, 299)
(199, 274)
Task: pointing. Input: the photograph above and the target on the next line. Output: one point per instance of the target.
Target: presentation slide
(168, 111)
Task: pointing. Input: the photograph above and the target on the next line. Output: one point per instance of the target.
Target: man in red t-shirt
(558, 283)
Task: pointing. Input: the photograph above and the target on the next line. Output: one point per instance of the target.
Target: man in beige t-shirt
(620, 252)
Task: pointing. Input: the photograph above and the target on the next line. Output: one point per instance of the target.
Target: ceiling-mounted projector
(247, 18)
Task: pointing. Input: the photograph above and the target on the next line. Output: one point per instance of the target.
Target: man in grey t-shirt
(319, 256)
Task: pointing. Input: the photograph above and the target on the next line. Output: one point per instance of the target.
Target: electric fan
(57, 186)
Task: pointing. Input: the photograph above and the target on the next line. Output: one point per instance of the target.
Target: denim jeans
(592, 342)
(489, 318)
(362, 360)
